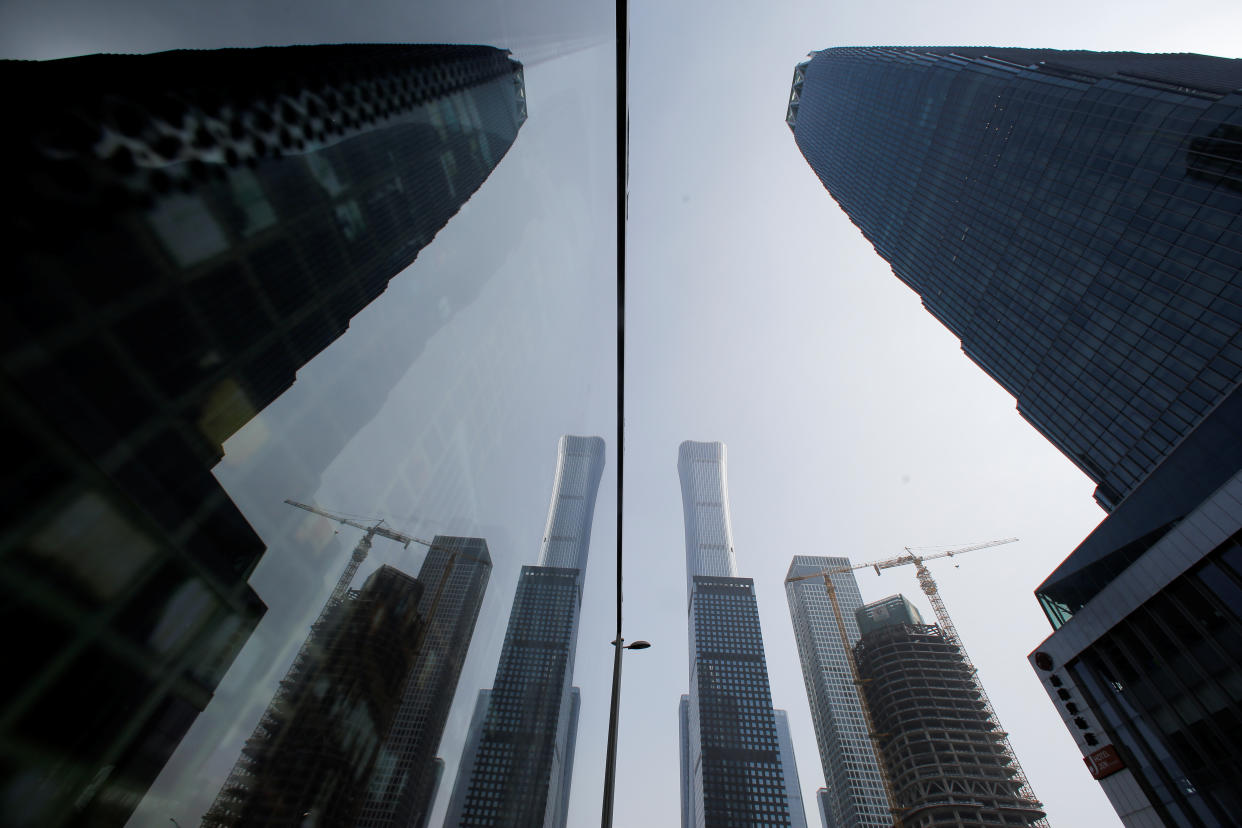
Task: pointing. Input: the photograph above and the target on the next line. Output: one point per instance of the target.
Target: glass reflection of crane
(360, 551)
(360, 555)
(928, 585)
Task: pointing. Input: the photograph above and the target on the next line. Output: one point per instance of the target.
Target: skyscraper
(518, 765)
(789, 764)
(687, 775)
(454, 577)
(854, 793)
(313, 751)
(194, 227)
(1076, 219)
(391, 785)
(946, 755)
(730, 741)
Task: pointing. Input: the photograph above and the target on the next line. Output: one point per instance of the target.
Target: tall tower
(946, 755)
(1074, 218)
(854, 795)
(454, 576)
(312, 753)
(730, 739)
(518, 765)
(793, 785)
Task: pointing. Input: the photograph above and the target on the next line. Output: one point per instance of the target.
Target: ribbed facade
(1075, 218)
(454, 576)
(946, 756)
(855, 793)
(567, 536)
(705, 508)
(733, 771)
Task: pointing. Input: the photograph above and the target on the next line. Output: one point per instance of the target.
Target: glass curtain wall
(304, 349)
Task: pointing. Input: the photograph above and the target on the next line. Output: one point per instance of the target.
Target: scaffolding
(949, 762)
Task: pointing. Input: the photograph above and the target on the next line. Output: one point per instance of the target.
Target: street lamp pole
(610, 766)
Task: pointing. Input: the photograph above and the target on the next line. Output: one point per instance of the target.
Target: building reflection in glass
(351, 733)
(195, 227)
(518, 764)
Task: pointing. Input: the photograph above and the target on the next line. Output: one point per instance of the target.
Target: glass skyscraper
(789, 764)
(194, 227)
(854, 795)
(1076, 220)
(518, 763)
(733, 762)
(454, 577)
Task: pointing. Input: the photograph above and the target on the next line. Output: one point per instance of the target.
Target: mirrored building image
(195, 226)
(734, 770)
(402, 787)
(517, 766)
(380, 740)
(323, 731)
(854, 792)
(1075, 218)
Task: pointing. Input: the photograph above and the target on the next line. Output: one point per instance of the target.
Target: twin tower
(737, 758)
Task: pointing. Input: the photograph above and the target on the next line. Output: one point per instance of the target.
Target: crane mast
(928, 584)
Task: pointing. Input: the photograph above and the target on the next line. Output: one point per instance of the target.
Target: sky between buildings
(756, 316)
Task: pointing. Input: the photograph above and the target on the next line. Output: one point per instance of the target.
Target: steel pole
(610, 766)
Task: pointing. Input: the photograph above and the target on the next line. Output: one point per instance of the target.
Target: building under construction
(949, 762)
(312, 753)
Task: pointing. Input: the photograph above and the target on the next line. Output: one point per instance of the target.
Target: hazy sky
(757, 316)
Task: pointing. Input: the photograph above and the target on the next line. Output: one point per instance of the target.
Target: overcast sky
(757, 316)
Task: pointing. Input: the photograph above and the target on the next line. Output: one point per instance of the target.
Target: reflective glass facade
(733, 761)
(1074, 218)
(402, 786)
(789, 765)
(522, 760)
(320, 739)
(854, 794)
(738, 776)
(196, 226)
(518, 765)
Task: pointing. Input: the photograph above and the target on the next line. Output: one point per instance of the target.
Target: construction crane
(360, 551)
(241, 776)
(360, 555)
(928, 585)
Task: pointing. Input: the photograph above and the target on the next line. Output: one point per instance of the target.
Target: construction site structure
(928, 584)
(244, 788)
(947, 758)
(321, 733)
